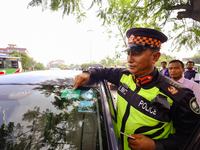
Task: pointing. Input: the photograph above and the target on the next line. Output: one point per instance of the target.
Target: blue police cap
(140, 39)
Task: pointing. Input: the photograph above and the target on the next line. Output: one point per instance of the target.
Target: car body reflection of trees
(58, 125)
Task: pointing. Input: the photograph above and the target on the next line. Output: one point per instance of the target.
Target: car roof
(47, 77)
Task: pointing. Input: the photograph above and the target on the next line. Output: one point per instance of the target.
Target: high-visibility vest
(136, 115)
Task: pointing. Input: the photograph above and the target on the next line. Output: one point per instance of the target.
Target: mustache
(131, 64)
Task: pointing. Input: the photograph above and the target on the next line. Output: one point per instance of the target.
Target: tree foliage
(157, 14)
(24, 58)
(85, 66)
(39, 66)
(32, 62)
(126, 14)
(196, 59)
(74, 7)
(27, 62)
(164, 57)
(107, 61)
(48, 128)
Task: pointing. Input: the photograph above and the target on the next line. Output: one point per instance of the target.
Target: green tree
(157, 14)
(103, 62)
(24, 58)
(32, 62)
(196, 58)
(164, 57)
(73, 7)
(77, 66)
(39, 66)
(71, 65)
(125, 14)
(62, 66)
(107, 61)
(85, 66)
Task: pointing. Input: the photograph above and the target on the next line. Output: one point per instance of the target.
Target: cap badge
(131, 39)
(172, 90)
(194, 105)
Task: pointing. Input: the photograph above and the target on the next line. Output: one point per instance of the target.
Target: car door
(194, 140)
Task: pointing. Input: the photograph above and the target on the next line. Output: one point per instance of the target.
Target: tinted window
(50, 117)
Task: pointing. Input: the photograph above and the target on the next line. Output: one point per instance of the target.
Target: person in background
(176, 70)
(191, 73)
(164, 69)
(150, 106)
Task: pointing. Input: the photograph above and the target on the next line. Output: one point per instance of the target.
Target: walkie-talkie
(160, 102)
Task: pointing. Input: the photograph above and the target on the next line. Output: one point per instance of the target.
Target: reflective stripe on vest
(136, 115)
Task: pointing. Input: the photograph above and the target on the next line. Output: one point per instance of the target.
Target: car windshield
(50, 117)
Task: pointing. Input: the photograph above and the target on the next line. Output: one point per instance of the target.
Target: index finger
(76, 86)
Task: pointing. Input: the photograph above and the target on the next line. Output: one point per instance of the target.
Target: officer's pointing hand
(81, 79)
(141, 142)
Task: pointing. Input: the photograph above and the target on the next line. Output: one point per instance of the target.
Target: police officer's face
(175, 70)
(142, 63)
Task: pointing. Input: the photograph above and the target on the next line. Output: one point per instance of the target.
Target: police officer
(150, 107)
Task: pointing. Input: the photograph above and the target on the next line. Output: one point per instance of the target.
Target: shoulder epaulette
(173, 89)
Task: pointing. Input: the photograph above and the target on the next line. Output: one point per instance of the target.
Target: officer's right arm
(110, 74)
(81, 79)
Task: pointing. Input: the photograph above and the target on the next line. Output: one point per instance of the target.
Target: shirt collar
(147, 79)
(181, 80)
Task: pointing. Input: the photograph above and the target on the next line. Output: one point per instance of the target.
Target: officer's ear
(155, 55)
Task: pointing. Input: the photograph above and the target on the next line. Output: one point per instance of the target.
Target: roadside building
(13, 47)
(55, 63)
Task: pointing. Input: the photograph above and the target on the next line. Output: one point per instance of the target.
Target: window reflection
(38, 118)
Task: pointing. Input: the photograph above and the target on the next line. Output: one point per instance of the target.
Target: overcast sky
(47, 36)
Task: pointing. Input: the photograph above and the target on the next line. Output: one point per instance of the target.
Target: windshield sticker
(86, 106)
(87, 94)
(70, 93)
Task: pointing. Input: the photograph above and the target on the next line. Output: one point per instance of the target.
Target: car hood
(45, 77)
(40, 77)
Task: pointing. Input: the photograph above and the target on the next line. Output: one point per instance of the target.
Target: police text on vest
(150, 109)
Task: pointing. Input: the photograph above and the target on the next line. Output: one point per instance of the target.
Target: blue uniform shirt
(166, 72)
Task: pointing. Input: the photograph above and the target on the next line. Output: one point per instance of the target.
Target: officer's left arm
(184, 122)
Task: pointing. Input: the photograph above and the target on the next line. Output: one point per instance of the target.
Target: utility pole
(90, 46)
